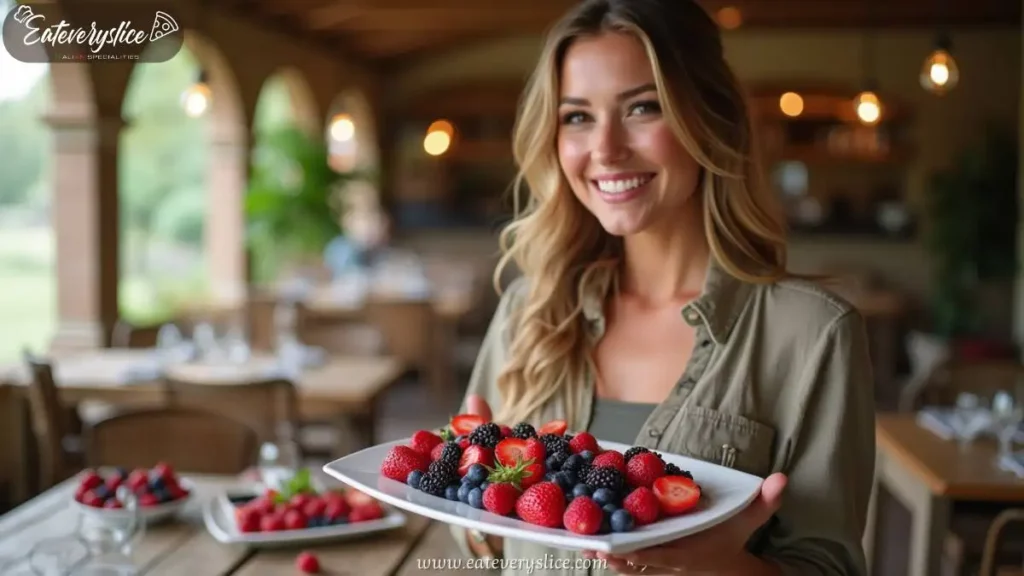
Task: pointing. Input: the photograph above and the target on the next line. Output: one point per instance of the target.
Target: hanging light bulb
(940, 73)
(868, 107)
(196, 99)
(342, 128)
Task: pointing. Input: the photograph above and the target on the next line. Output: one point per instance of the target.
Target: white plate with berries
(544, 485)
(300, 513)
(161, 493)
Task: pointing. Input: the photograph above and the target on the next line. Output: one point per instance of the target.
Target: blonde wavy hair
(560, 246)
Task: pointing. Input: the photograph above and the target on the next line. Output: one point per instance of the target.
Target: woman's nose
(609, 143)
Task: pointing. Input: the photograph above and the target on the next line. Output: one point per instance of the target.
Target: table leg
(930, 513)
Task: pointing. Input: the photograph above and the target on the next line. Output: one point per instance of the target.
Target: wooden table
(185, 547)
(344, 386)
(927, 475)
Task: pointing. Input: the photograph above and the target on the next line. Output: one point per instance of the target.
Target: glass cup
(111, 540)
(1007, 415)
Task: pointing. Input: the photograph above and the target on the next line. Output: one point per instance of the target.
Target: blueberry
(484, 485)
(606, 525)
(120, 472)
(622, 521)
(604, 496)
(414, 479)
(341, 520)
(156, 483)
(315, 522)
(564, 481)
(573, 462)
(609, 509)
(555, 461)
(587, 456)
(580, 490)
(452, 492)
(102, 491)
(477, 473)
(550, 476)
(476, 498)
(571, 477)
(463, 493)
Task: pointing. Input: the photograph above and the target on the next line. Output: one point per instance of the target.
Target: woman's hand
(719, 550)
(475, 404)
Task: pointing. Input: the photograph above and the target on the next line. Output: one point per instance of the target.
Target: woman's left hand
(718, 550)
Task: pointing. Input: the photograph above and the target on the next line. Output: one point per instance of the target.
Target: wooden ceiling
(386, 31)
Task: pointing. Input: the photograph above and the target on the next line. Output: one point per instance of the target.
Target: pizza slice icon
(163, 25)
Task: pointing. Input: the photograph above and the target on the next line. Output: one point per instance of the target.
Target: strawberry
(163, 470)
(583, 516)
(500, 497)
(336, 509)
(90, 498)
(138, 480)
(542, 504)
(356, 498)
(556, 427)
(307, 563)
(512, 450)
(475, 454)
(584, 441)
(533, 473)
(248, 520)
(676, 494)
(611, 458)
(273, 522)
(90, 480)
(642, 505)
(314, 507)
(505, 431)
(294, 520)
(363, 512)
(112, 503)
(643, 469)
(148, 499)
(299, 501)
(423, 441)
(465, 423)
(400, 461)
(435, 454)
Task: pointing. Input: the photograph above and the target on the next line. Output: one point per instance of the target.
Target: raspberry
(583, 441)
(307, 563)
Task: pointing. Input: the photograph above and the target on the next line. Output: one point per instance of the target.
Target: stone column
(85, 223)
(225, 219)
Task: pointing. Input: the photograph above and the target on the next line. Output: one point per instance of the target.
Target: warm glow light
(442, 126)
(730, 18)
(196, 99)
(436, 142)
(869, 107)
(940, 73)
(342, 128)
(791, 104)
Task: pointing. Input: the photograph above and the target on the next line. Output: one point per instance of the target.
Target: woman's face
(617, 152)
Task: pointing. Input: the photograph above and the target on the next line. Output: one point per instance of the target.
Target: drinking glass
(111, 541)
(1007, 415)
(278, 463)
(970, 417)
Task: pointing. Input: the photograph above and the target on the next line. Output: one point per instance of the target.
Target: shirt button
(705, 343)
(691, 316)
(653, 433)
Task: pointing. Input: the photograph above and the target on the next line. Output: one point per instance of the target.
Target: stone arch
(305, 111)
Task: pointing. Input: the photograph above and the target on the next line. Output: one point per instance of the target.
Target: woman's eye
(573, 117)
(649, 107)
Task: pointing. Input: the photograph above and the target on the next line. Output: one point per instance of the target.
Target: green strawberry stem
(511, 474)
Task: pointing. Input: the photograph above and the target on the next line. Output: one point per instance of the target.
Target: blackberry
(633, 452)
(433, 485)
(444, 471)
(553, 444)
(673, 470)
(451, 453)
(604, 477)
(487, 435)
(524, 431)
(583, 471)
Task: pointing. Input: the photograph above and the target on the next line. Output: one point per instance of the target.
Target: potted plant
(293, 204)
(972, 237)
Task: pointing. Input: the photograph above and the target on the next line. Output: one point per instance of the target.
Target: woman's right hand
(475, 404)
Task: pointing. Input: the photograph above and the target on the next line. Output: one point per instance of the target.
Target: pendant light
(867, 105)
(196, 98)
(940, 74)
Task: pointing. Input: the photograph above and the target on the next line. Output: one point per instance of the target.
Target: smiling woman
(655, 290)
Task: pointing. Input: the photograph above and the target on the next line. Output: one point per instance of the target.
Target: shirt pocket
(722, 438)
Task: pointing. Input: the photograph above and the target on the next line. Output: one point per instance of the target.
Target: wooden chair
(57, 448)
(991, 562)
(410, 331)
(191, 440)
(269, 407)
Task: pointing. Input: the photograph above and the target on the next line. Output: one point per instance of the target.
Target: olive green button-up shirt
(779, 381)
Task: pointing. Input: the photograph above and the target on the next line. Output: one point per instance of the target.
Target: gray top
(619, 421)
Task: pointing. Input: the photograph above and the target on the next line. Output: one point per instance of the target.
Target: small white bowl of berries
(159, 492)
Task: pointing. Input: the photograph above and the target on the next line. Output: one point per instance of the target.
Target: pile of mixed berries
(155, 486)
(298, 505)
(543, 476)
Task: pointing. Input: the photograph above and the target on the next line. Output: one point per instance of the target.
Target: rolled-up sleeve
(831, 460)
(489, 363)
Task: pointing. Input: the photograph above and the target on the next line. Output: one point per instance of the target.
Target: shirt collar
(719, 305)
